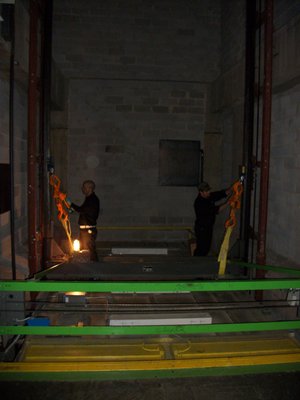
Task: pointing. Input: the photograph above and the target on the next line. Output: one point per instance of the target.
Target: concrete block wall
(284, 210)
(225, 109)
(124, 61)
(227, 91)
(284, 190)
(139, 39)
(114, 134)
(133, 67)
(227, 106)
(138, 72)
(20, 144)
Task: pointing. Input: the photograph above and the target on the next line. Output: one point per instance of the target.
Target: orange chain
(61, 205)
(235, 203)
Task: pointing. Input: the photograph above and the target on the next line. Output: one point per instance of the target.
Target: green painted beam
(152, 287)
(150, 330)
(139, 374)
(274, 268)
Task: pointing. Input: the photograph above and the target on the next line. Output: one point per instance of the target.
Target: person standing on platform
(206, 211)
(88, 215)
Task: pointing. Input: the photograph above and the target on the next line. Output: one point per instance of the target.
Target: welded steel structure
(258, 359)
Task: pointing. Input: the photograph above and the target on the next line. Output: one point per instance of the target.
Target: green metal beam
(282, 270)
(150, 330)
(147, 287)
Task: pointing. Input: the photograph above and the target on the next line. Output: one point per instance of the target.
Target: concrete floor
(281, 386)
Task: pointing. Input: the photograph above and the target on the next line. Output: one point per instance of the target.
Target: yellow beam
(92, 352)
(111, 366)
(123, 355)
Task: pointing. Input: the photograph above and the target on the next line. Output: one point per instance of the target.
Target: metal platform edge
(11, 373)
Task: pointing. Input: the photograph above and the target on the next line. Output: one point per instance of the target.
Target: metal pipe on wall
(248, 124)
(257, 125)
(41, 172)
(32, 159)
(266, 137)
(46, 59)
(11, 13)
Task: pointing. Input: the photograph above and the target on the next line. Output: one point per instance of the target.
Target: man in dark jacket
(206, 211)
(88, 215)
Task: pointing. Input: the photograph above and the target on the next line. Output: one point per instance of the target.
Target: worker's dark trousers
(203, 239)
(88, 242)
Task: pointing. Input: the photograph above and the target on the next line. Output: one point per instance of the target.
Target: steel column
(248, 122)
(46, 60)
(266, 137)
(11, 13)
(32, 156)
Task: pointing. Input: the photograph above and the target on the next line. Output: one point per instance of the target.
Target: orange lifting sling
(235, 204)
(62, 206)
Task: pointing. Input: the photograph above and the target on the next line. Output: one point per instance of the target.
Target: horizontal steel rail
(273, 268)
(149, 287)
(150, 330)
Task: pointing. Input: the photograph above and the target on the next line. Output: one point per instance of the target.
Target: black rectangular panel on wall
(5, 187)
(179, 162)
(7, 14)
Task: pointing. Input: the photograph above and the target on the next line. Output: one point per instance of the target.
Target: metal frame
(151, 330)
(157, 287)
(160, 368)
(150, 287)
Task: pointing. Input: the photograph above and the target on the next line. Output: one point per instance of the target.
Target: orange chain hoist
(234, 202)
(62, 206)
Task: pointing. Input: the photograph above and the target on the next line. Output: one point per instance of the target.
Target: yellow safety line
(149, 365)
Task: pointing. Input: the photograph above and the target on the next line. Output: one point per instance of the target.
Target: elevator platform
(142, 268)
(242, 335)
(86, 358)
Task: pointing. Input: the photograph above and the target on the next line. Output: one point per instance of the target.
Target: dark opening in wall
(6, 25)
(179, 162)
(5, 188)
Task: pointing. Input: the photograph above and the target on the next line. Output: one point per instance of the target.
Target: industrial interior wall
(226, 104)
(20, 146)
(58, 134)
(138, 72)
(284, 191)
(226, 108)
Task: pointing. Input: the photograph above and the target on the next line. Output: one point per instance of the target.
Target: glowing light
(76, 245)
(75, 293)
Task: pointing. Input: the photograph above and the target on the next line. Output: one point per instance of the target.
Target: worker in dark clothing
(206, 211)
(88, 215)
